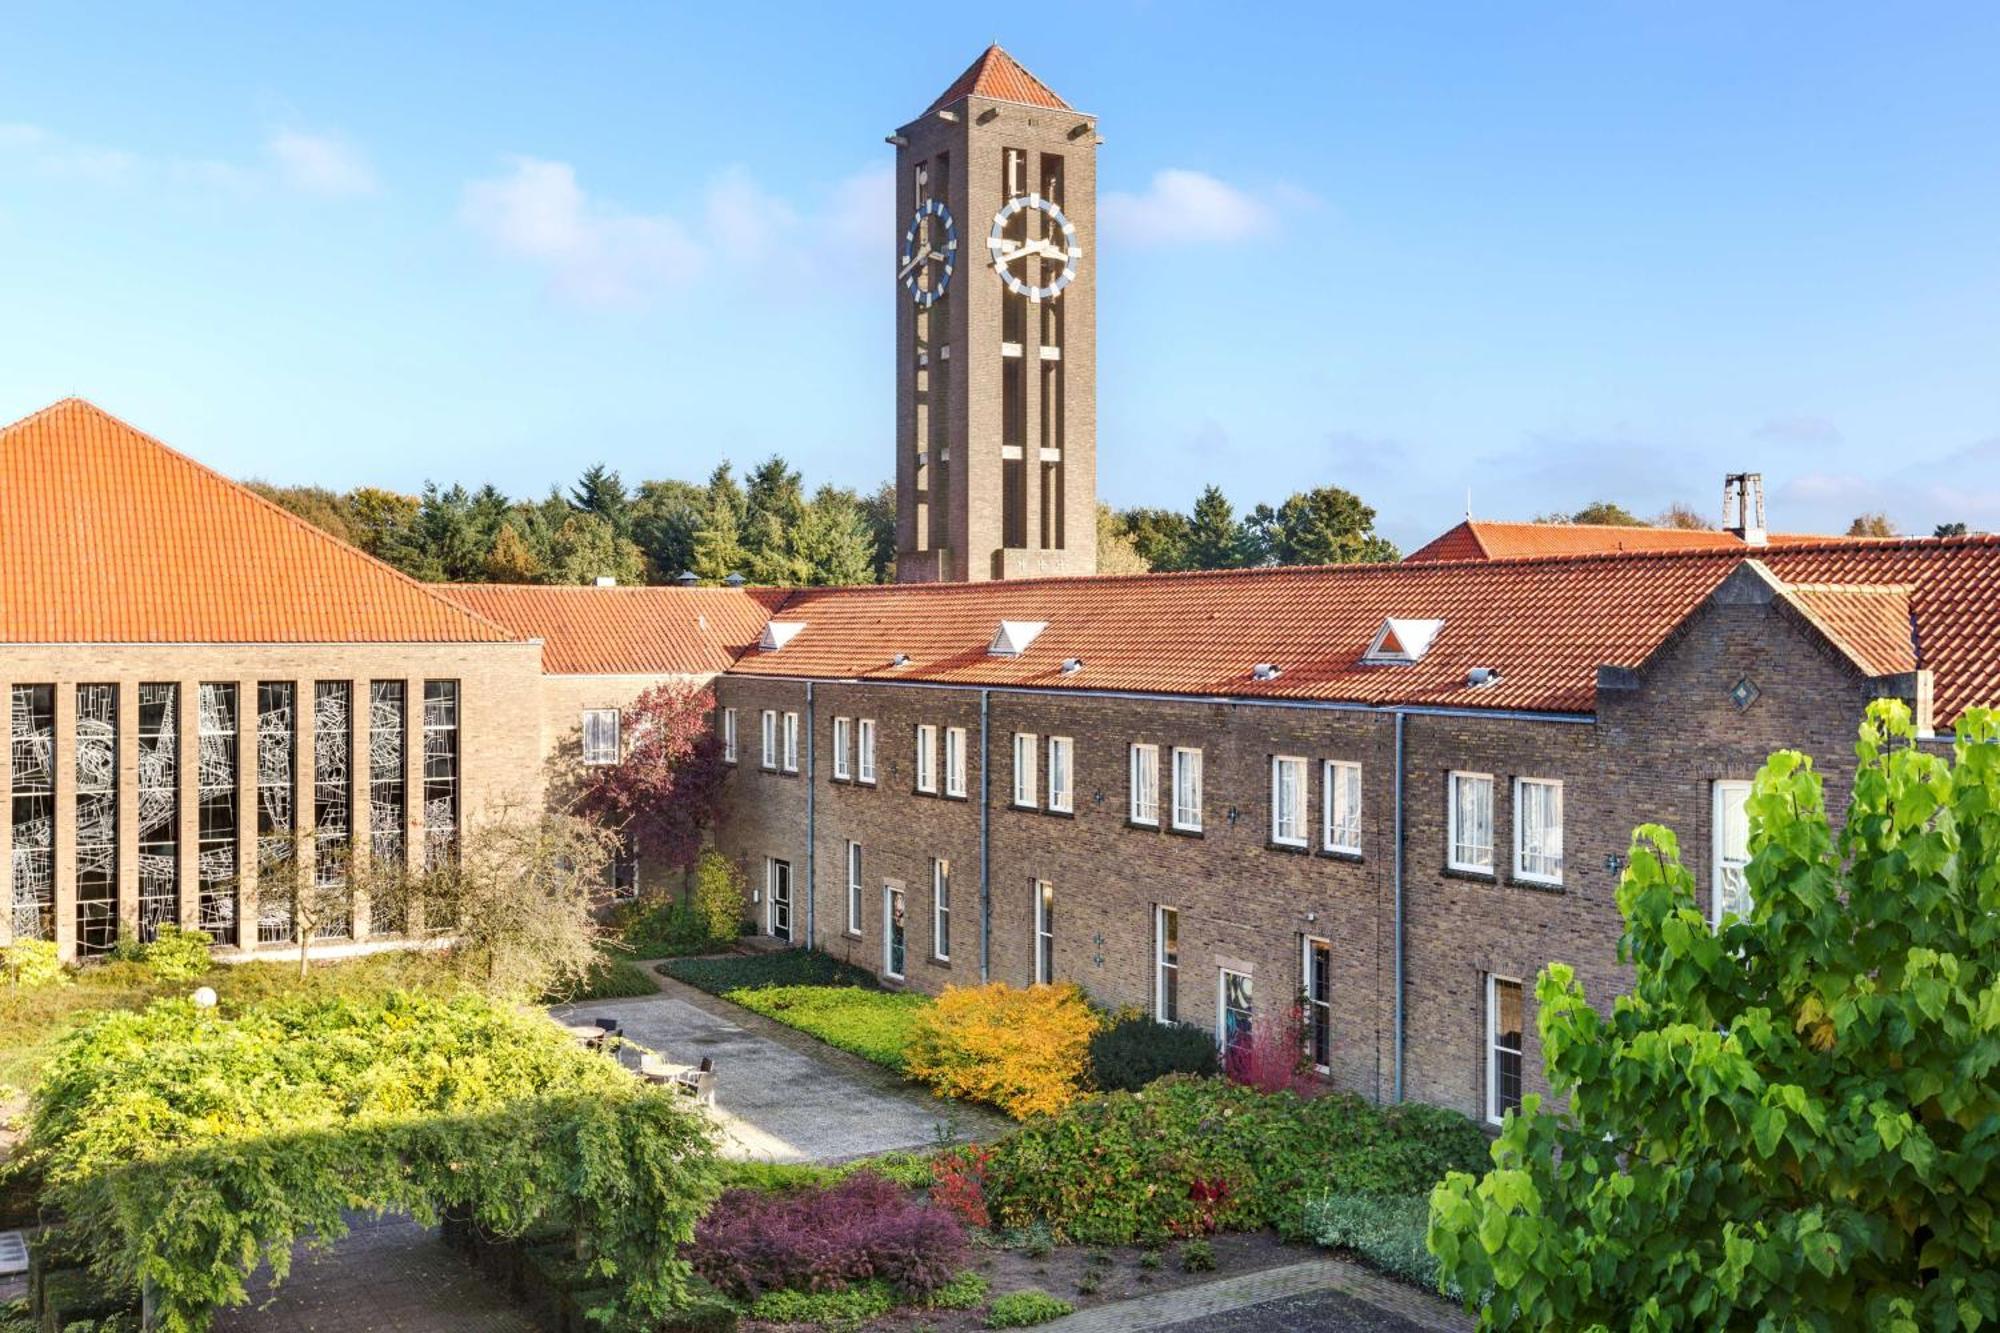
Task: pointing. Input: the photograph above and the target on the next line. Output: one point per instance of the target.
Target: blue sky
(1597, 250)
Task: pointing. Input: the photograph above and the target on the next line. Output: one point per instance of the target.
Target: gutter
(1397, 1028)
(812, 788)
(985, 839)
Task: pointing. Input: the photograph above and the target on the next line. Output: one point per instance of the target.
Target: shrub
(1135, 1050)
(1187, 1155)
(1025, 1309)
(875, 1025)
(958, 1184)
(1387, 1231)
(1197, 1256)
(171, 955)
(1272, 1058)
(787, 967)
(967, 1291)
(843, 1308)
(911, 1170)
(31, 965)
(827, 1239)
(662, 928)
(1022, 1050)
(718, 895)
(610, 979)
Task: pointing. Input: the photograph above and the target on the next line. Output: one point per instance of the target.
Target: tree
(1323, 526)
(1116, 553)
(382, 523)
(665, 517)
(1684, 516)
(1949, 530)
(666, 790)
(717, 550)
(600, 491)
(315, 504)
(586, 548)
(878, 512)
(1160, 536)
(1601, 513)
(511, 559)
(1790, 1121)
(1215, 538)
(833, 542)
(1872, 524)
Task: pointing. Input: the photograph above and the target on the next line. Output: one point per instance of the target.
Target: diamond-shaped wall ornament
(1743, 693)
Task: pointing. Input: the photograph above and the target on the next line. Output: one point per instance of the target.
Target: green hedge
(873, 1024)
(1387, 1231)
(189, 1146)
(610, 979)
(786, 967)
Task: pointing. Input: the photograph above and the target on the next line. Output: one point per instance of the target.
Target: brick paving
(1329, 1294)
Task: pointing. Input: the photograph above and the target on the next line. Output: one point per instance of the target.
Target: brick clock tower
(996, 332)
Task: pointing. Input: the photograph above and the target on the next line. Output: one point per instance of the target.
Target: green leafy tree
(718, 547)
(1323, 526)
(1949, 530)
(317, 505)
(774, 510)
(1160, 536)
(665, 517)
(382, 523)
(600, 491)
(1116, 553)
(1216, 538)
(587, 548)
(510, 559)
(1793, 1121)
(833, 542)
(878, 511)
(1606, 514)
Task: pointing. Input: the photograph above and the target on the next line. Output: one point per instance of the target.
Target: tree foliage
(1875, 523)
(666, 789)
(1793, 1121)
(1323, 526)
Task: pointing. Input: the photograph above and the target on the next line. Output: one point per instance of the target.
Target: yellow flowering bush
(1024, 1051)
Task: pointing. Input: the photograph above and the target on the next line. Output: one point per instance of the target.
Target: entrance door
(892, 932)
(778, 900)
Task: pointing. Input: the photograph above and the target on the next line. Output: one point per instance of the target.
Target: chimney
(1743, 507)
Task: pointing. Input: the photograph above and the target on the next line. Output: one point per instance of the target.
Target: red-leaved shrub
(1272, 1058)
(958, 1184)
(1210, 1196)
(824, 1239)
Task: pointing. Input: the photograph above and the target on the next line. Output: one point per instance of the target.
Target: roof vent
(900, 660)
(688, 578)
(1014, 637)
(1266, 671)
(778, 633)
(606, 581)
(1072, 665)
(1402, 641)
(1479, 676)
(734, 580)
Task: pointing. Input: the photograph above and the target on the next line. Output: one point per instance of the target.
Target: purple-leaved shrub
(825, 1239)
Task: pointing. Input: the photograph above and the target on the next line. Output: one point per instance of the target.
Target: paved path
(1324, 1294)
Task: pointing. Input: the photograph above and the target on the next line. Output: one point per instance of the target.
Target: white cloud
(1182, 207)
(50, 154)
(320, 163)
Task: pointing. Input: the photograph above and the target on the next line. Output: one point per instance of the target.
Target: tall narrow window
(1187, 789)
(894, 950)
(941, 909)
(1026, 744)
(31, 740)
(1145, 804)
(1471, 823)
(441, 812)
(1167, 964)
(388, 786)
(1045, 932)
(853, 888)
(159, 808)
(729, 735)
(1062, 774)
(842, 730)
(864, 750)
(954, 761)
(96, 818)
(770, 739)
(216, 814)
(277, 786)
(927, 758)
(791, 742)
(1538, 830)
(1288, 801)
(1342, 796)
(1504, 1025)
(333, 800)
(1730, 892)
(600, 737)
(1316, 978)
(1235, 1012)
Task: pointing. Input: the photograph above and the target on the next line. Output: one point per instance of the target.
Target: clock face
(930, 253)
(1057, 246)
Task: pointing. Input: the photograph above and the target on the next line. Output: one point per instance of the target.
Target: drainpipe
(812, 789)
(1400, 718)
(985, 844)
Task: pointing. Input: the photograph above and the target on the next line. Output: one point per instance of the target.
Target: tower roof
(1002, 78)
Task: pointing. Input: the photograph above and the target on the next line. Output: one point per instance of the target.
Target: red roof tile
(109, 536)
(999, 77)
(1477, 539)
(1872, 625)
(1545, 624)
(626, 631)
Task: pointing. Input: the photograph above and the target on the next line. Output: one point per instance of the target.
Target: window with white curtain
(1538, 830)
(864, 750)
(1288, 801)
(1730, 893)
(1167, 964)
(853, 888)
(1145, 807)
(927, 759)
(1504, 1026)
(729, 735)
(954, 761)
(600, 736)
(770, 759)
(941, 909)
(1187, 789)
(1025, 782)
(843, 731)
(1062, 753)
(1470, 818)
(791, 742)
(1342, 797)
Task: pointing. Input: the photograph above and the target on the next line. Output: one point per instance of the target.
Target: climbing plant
(1793, 1121)
(182, 1148)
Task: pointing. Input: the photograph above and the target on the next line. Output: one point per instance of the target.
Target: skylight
(1014, 637)
(778, 633)
(1401, 641)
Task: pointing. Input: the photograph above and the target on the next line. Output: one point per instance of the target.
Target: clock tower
(996, 332)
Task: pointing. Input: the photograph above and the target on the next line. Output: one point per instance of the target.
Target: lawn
(874, 1025)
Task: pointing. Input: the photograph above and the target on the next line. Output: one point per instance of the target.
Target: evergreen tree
(1323, 526)
(665, 516)
(775, 509)
(833, 541)
(587, 548)
(600, 491)
(1215, 538)
(717, 550)
(383, 523)
(878, 511)
(1160, 536)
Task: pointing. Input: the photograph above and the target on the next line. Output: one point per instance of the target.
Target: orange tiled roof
(1545, 624)
(1000, 77)
(1872, 625)
(1477, 539)
(626, 631)
(109, 536)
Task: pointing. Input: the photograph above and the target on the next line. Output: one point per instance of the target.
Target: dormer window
(778, 633)
(1014, 636)
(1400, 642)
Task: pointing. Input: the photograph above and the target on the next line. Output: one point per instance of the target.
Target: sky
(1532, 256)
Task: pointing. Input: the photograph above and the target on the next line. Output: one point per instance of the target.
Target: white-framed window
(1026, 745)
(941, 909)
(1235, 1011)
(894, 937)
(1045, 932)
(853, 887)
(1341, 797)
(1187, 789)
(729, 735)
(1538, 830)
(843, 735)
(954, 761)
(1316, 992)
(927, 758)
(1062, 774)
(600, 736)
(1730, 892)
(864, 750)
(1288, 801)
(770, 738)
(1167, 964)
(1469, 835)
(791, 742)
(1146, 785)
(1504, 1026)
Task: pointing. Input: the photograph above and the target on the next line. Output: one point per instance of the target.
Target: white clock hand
(904, 271)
